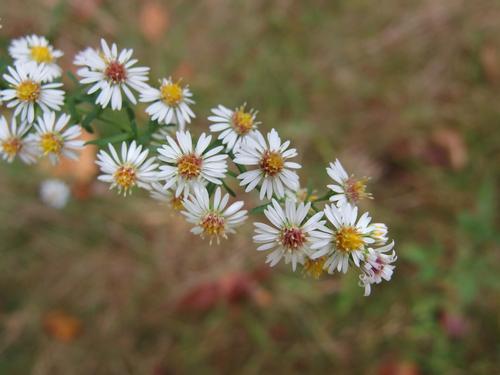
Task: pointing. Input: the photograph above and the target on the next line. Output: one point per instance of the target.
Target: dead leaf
(201, 298)
(395, 367)
(153, 20)
(490, 60)
(62, 326)
(447, 148)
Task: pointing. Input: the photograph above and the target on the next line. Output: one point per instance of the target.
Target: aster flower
(213, 219)
(111, 73)
(346, 189)
(377, 267)
(187, 166)
(27, 91)
(346, 241)
(290, 235)
(33, 50)
(15, 142)
(273, 169)
(84, 57)
(234, 125)
(379, 233)
(55, 138)
(132, 167)
(170, 103)
(54, 193)
(159, 193)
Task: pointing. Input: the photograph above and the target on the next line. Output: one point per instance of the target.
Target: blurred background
(406, 92)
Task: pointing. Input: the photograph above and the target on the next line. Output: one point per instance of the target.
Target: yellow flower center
(28, 91)
(272, 163)
(171, 93)
(189, 166)
(314, 267)
(177, 203)
(51, 143)
(12, 146)
(356, 189)
(213, 224)
(125, 177)
(242, 122)
(292, 238)
(41, 54)
(348, 239)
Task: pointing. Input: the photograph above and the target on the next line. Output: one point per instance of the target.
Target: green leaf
(229, 190)
(111, 139)
(259, 209)
(91, 117)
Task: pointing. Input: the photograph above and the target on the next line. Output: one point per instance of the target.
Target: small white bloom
(377, 267)
(347, 188)
(347, 240)
(234, 125)
(129, 169)
(291, 235)
(170, 103)
(111, 73)
(160, 134)
(187, 166)
(15, 142)
(159, 193)
(84, 57)
(379, 233)
(55, 138)
(213, 219)
(54, 193)
(33, 50)
(273, 169)
(27, 91)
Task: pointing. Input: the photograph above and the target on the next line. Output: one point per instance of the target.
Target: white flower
(346, 241)
(111, 73)
(187, 167)
(84, 57)
(129, 169)
(33, 50)
(235, 126)
(273, 169)
(170, 103)
(14, 141)
(377, 267)
(160, 134)
(379, 233)
(347, 189)
(213, 219)
(291, 235)
(54, 193)
(27, 91)
(158, 192)
(55, 138)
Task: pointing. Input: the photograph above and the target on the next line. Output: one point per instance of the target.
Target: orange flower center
(189, 166)
(356, 189)
(177, 203)
(272, 163)
(314, 267)
(213, 224)
(12, 146)
(125, 177)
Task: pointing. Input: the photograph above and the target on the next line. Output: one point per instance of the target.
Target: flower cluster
(188, 173)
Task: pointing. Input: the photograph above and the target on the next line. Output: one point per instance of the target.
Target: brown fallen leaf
(447, 148)
(153, 20)
(396, 367)
(490, 61)
(62, 326)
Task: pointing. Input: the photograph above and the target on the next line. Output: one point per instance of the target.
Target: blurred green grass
(406, 92)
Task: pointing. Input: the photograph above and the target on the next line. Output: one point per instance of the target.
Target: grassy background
(407, 92)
